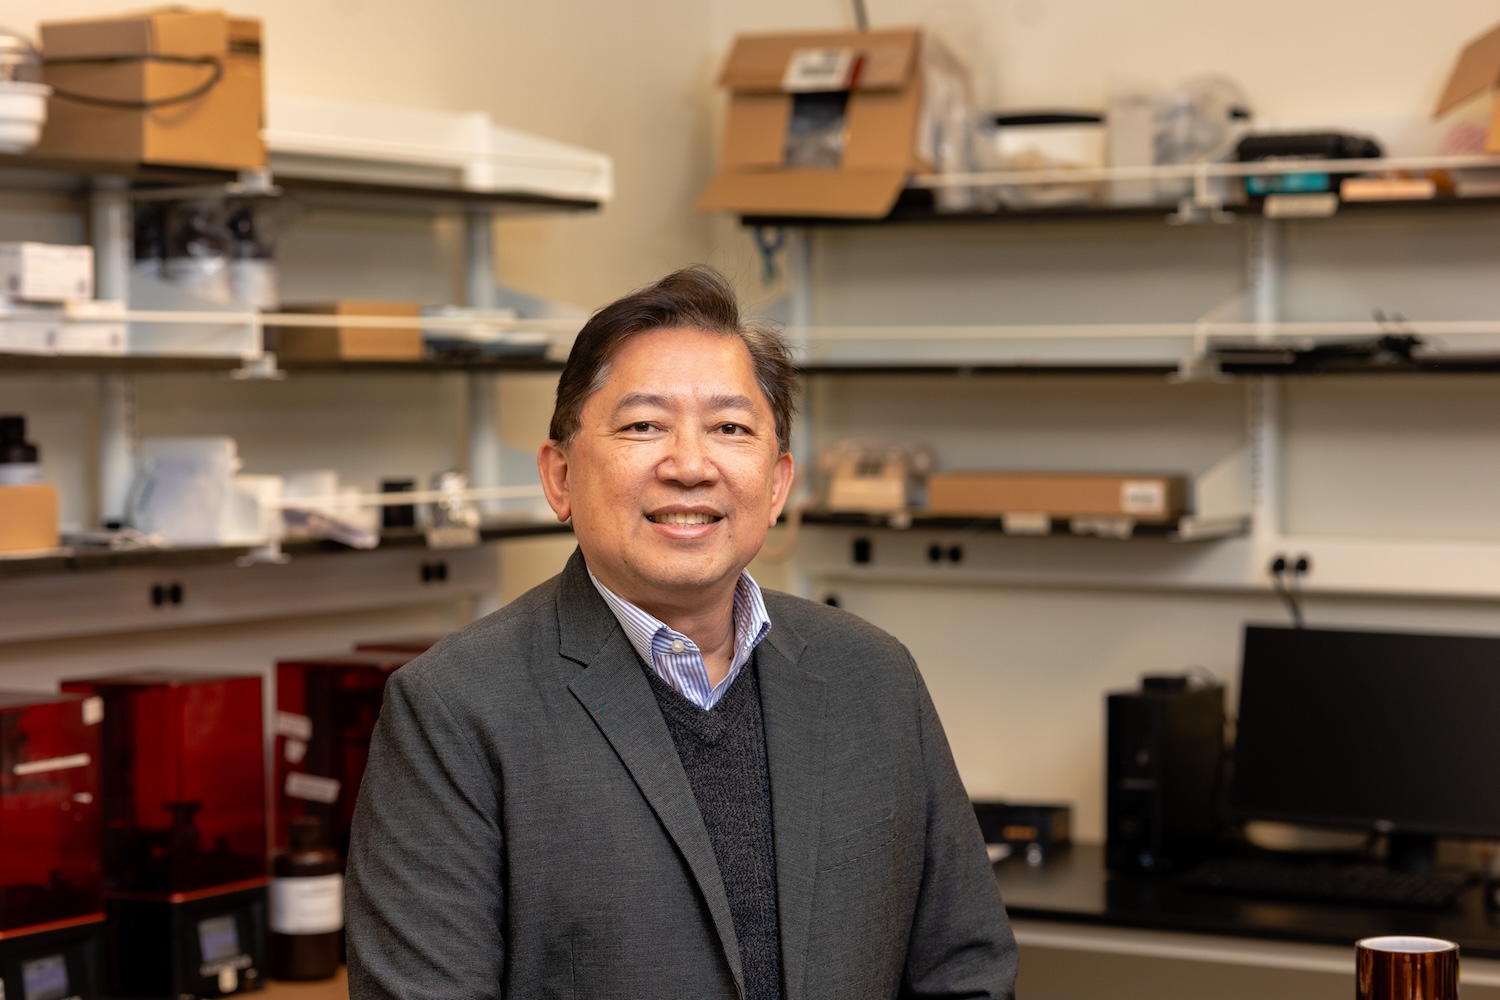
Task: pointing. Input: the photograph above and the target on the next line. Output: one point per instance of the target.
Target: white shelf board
(1174, 344)
(1362, 567)
(362, 142)
(46, 605)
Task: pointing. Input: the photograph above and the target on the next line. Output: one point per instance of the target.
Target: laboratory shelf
(917, 206)
(421, 196)
(142, 364)
(1060, 526)
(85, 559)
(64, 173)
(479, 364)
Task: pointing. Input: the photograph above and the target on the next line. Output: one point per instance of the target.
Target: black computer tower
(1164, 774)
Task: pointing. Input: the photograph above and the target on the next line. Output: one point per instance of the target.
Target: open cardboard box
(774, 80)
(1476, 71)
(144, 58)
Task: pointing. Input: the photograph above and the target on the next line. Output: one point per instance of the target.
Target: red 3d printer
(184, 833)
(51, 912)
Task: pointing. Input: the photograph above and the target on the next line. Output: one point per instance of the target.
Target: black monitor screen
(1370, 730)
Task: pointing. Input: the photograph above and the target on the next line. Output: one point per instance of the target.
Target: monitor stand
(1411, 852)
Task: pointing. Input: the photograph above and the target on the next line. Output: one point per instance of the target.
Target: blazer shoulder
(513, 632)
(822, 633)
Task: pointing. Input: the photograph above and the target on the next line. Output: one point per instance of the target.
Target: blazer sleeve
(961, 940)
(425, 886)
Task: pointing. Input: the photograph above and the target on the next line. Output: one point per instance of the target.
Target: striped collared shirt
(675, 658)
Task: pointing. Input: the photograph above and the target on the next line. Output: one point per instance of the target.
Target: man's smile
(684, 518)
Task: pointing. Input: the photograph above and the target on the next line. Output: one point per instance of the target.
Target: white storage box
(93, 327)
(46, 272)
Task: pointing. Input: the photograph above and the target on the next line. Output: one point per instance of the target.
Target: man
(645, 778)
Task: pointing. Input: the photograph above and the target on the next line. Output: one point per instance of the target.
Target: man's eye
(732, 429)
(641, 427)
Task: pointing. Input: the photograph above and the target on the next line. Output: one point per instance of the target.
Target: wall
(1021, 692)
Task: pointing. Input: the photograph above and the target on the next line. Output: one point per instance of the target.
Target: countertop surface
(1073, 887)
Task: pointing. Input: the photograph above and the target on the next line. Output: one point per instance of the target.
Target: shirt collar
(684, 671)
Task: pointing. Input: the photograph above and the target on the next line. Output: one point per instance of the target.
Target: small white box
(18, 336)
(46, 272)
(98, 339)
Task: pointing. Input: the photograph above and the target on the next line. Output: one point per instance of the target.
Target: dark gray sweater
(723, 751)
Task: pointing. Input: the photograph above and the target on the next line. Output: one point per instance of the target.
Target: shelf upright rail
(1263, 295)
(110, 225)
(804, 438)
(483, 406)
(484, 387)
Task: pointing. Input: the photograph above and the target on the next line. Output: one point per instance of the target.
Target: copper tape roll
(1406, 968)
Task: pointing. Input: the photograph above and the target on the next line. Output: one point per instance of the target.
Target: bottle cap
(306, 833)
(13, 445)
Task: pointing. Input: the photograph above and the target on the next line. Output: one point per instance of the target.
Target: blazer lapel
(615, 692)
(792, 705)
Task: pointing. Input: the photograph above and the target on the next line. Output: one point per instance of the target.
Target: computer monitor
(1396, 733)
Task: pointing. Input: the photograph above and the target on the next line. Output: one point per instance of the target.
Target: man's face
(674, 475)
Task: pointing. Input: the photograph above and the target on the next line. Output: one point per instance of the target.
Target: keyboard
(1358, 884)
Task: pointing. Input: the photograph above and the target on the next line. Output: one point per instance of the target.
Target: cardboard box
(137, 57)
(352, 342)
(779, 84)
(1144, 498)
(28, 517)
(1475, 72)
(46, 272)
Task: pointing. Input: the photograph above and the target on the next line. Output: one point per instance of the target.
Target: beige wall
(635, 80)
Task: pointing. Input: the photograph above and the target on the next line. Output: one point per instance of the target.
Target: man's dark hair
(695, 298)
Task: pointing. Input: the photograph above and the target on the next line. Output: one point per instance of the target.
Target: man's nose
(688, 460)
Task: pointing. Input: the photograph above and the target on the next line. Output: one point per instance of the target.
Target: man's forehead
(638, 373)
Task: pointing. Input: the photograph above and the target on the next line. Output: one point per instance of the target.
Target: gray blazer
(525, 828)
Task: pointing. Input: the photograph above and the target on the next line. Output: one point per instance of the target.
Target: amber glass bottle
(307, 906)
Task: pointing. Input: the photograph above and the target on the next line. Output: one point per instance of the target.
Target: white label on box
(312, 904)
(67, 763)
(1313, 205)
(1018, 522)
(1143, 496)
(312, 787)
(294, 726)
(93, 711)
(813, 70)
(294, 751)
(46, 272)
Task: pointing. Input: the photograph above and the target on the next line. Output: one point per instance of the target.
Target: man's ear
(552, 463)
(781, 485)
